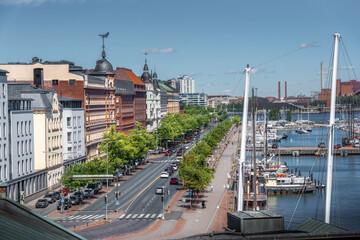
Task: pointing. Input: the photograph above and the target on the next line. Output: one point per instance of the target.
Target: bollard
(87, 223)
(74, 225)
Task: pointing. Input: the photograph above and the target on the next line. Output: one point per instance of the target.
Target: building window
(19, 170)
(26, 164)
(5, 171)
(79, 121)
(22, 128)
(117, 99)
(117, 122)
(25, 127)
(18, 148)
(55, 82)
(22, 147)
(29, 127)
(79, 149)
(74, 122)
(72, 82)
(3, 90)
(4, 110)
(117, 110)
(4, 130)
(68, 120)
(30, 146)
(69, 136)
(79, 136)
(74, 136)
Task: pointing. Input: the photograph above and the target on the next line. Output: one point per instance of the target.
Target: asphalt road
(139, 204)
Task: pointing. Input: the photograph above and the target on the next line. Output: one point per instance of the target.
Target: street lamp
(167, 146)
(107, 160)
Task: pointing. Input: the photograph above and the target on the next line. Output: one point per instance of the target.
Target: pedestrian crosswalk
(85, 218)
(94, 217)
(162, 161)
(140, 216)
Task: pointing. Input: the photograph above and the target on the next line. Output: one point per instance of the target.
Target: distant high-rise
(187, 84)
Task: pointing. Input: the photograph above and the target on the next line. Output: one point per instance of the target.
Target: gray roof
(124, 87)
(19, 222)
(67, 99)
(41, 98)
(96, 79)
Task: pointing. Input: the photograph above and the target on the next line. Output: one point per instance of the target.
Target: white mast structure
(240, 202)
(331, 130)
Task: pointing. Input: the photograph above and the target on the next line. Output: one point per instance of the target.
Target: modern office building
(194, 99)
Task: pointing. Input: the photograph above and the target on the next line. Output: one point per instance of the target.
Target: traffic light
(162, 198)
(106, 198)
(117, 195)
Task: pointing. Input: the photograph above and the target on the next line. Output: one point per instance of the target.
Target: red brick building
(342, 89)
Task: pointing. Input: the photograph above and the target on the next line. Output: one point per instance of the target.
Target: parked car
(169, 169)
(174, 181)
(174, 166)
(57, 195)
(80, 194)
(66, 204)
(93, 186)
(88, 193)
(75, 200)
(179, 153)
(50, 197)
(160, 190)
(65, 191)
(168, 153)
(42, 203)
(164, 175)
(100, 185)
(173, 150)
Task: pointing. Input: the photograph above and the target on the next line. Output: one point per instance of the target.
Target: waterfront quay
(300, 151)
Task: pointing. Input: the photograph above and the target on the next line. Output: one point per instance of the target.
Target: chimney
(285, 91)
(279, 91)
(322, 75)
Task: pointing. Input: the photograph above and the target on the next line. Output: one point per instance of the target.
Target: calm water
(346, 184)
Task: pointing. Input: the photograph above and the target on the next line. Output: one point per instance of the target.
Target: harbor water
(346, 184)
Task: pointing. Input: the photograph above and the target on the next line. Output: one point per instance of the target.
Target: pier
(301, 151)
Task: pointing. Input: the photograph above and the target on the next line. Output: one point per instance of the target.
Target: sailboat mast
(331, 131)
(243, 140)
(254, 151)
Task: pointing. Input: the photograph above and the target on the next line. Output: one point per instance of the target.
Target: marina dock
(301, 151)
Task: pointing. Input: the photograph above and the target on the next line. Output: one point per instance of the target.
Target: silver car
(88, 193)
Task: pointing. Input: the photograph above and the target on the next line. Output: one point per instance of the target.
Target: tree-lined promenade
(121, 150)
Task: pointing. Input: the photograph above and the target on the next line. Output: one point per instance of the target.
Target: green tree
(288, 115)
(274, 114)
(237, 120)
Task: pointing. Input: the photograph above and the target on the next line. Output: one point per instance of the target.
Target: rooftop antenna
(103, 46)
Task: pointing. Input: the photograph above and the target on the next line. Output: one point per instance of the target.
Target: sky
(211, 41)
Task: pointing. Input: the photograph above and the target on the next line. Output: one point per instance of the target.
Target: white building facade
(73, 131)
(187, 84)
(153, 99)
(194, 99)
(4, 141)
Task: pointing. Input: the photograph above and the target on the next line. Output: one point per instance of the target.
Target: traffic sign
(106, 204)
(183, 200)
(62, 200)
(117, 203)
(189, 192)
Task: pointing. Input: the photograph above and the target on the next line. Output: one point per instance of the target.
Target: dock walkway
(298, 151)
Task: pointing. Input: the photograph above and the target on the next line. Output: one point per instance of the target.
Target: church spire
(103, 54)
(146, 68)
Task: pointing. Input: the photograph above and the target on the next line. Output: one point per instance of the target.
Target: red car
(65, 191)
(337, 146)
(174, 181)
(168, 153)
(179, 154)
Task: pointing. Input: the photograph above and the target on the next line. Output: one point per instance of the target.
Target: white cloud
(305, 45)
(346, 67)
(159, 51)
(32, 2)
(227, 91)
(234, 72)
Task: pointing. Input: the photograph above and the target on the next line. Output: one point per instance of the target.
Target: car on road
(75, 200)
(168, 153)
(174, 181)
(66, 204)
(42, 203)
(173, 150)
(174, 166)
(80, 194)
(88, 193)
(179, 153)
(65, 191)
(169, 169)
(50, 197)
(164, 175)
(160, 190)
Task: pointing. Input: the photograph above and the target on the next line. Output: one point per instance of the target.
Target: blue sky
(210, 40)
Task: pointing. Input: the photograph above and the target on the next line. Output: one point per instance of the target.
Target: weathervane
(103, 36)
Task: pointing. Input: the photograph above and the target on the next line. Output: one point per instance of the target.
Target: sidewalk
(200, 220)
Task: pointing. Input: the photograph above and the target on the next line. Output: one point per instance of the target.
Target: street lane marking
(94, 216)
(87, 216)
(134, 216)
(72, 217)
(128, 216)
(122, 216)
(141, 215)
(153, 216)
(160, 216)
(147, 215)
(141, 193)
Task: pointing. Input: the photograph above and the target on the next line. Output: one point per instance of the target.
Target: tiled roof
(121, 74)
(134, 78)
(165, 86)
